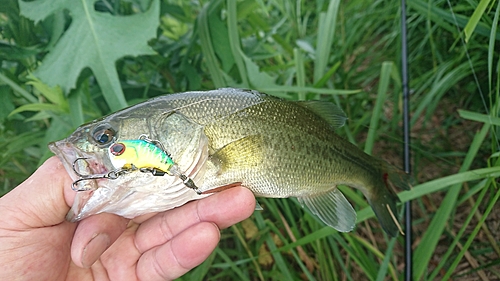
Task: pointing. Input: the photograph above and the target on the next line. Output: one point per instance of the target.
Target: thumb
(41, 200)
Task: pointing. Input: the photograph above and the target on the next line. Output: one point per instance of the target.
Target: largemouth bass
(169, 150)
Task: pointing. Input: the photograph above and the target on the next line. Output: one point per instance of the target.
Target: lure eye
(103, 134)
(117, 149)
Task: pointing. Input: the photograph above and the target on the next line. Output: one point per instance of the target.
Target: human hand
(36, 243)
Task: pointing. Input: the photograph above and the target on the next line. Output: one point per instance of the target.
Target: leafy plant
(98, 38)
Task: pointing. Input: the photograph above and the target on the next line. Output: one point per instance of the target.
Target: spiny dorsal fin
(331, 113)
(332, 208)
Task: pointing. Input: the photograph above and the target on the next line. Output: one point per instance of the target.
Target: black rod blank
(406, 140)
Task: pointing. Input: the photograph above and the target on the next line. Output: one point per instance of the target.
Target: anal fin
(332, 208)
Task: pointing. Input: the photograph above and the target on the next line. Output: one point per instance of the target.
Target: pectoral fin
(332, 208)
(240, 154)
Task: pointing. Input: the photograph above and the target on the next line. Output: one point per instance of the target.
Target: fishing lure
(143, 154)
(149, 156)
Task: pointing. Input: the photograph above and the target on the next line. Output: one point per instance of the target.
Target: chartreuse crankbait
(146, 155)
(143, 154)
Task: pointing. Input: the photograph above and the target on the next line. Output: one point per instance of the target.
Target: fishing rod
(406, 140)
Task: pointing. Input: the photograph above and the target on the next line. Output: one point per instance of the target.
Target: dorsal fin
(328, 111)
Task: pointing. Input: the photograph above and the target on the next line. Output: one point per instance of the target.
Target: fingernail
(94, 249)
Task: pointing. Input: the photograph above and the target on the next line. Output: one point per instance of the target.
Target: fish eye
(103, 134)
(117, 149)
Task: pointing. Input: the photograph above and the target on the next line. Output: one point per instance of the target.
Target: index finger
(224, 209)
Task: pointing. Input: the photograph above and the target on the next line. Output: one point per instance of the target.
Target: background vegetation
(105, 54)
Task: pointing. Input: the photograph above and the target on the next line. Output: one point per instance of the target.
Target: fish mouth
(67, 153)
(83, 168)
(77, 165)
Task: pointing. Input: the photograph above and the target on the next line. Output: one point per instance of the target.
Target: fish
(172, 149)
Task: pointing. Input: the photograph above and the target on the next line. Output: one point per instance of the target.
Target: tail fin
(383, 198)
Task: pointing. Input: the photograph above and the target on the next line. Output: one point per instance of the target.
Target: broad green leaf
(257, 78)
(220, 41)
(95, 40)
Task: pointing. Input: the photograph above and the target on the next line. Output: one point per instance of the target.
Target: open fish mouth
(67, 154)
(83, 169)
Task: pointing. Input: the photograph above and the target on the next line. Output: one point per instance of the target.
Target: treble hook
(112, 175)
(74, 168)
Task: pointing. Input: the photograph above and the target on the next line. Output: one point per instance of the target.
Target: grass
(347, 52)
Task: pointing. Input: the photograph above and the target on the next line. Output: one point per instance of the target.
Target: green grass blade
(295, 89)
(491, 46)
(459, 235)
(448, 75)
(231, 264)
(436, 185)
(298, 260)
(355, 249)
(18, 89)
(444, 18)
(249, 252)
(278, 258)
(472, 235)
(377, 113)
(436, 227)
(309, 238)
(475, 18)
(326, 30)
(300, 72)
(207, 47)
(474, 116)
(386, 265)
(234, 41)
(75, 106)
(328, 75)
